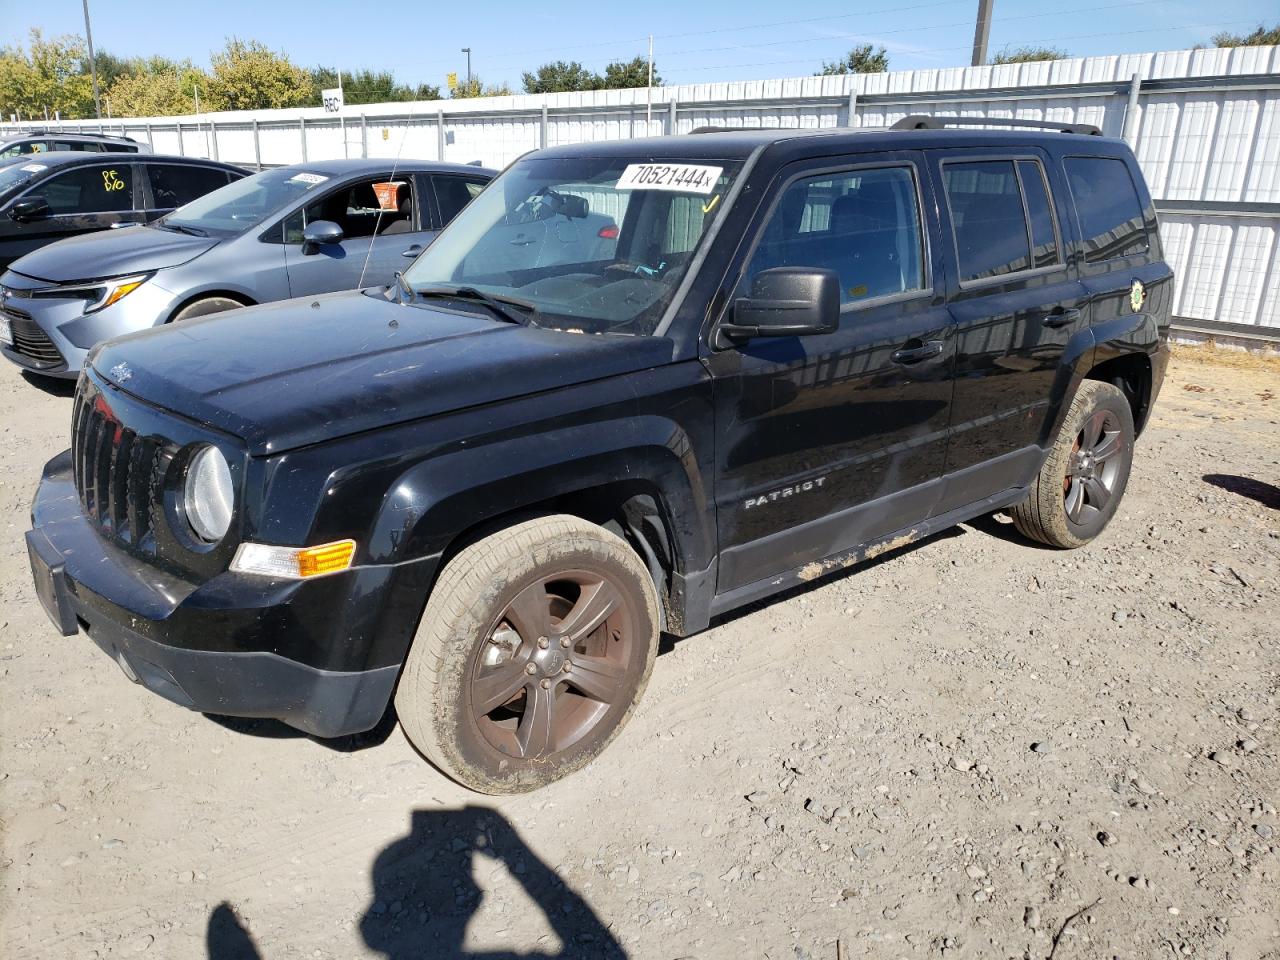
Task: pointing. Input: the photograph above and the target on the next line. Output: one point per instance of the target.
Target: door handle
(520, 242)
(1060, 317)
(930, 348)
(413, 251)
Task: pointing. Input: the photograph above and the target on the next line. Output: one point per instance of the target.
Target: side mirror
(787, 302)
(29, 208)
(318, 233)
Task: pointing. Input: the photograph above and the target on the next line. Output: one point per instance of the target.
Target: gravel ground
(972, 747)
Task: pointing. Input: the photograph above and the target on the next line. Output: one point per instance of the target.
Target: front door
(81, 200)
(381, 222)
(825, 443)
(1016, 303)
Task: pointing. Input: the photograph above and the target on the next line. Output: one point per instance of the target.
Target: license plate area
(49, 574)
(6, 331)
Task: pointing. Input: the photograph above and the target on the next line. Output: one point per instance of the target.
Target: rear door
(1016, 302)
(83, 199)
(167, 186)
(381, 221)
(828, 442)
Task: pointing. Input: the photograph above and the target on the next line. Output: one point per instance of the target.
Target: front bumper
(213, 647)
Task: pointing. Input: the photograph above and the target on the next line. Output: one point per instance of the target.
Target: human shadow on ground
(1266, 494)
(425, 894)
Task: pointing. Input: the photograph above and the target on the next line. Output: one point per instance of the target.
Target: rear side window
(1044, 237)
(987, 216)
(864, 224)
(119, 148)
(173, 185)
(90, 190)
(454, 193)
(1107, 204)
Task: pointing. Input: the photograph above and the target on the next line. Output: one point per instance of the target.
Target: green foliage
(1263, 36)
(249, 76)
(861, 59)
(369, 86)
(627, 74)
(562, 77)
(477, 88)
(1028, 55)
(45, 74)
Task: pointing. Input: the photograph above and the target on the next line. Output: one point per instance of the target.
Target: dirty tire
(1073, 497)
(471, 648)
(204, 307)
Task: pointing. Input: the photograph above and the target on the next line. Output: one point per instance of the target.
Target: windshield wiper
(182, 228)
(501, 306)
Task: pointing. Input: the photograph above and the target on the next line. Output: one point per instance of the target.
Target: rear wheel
(534, 648)
(1080, 485)
(205, 306)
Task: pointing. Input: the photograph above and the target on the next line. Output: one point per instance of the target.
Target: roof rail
(920, 121)
(713, 129)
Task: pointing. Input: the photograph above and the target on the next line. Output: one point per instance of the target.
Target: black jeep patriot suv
(632, 386)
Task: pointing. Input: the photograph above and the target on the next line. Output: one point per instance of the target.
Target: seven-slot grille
(118, 474)
(30, 341)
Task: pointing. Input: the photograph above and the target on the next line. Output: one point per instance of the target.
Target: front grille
(118, 474)
(30, 341)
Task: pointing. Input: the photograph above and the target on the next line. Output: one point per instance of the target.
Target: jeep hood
(288, 374)
(111, 253)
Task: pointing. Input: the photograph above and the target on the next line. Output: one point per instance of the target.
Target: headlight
(97, 296)
(207, 494)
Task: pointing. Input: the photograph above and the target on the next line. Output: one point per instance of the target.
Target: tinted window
(173, 185)
(987, 217)
(82, 145)
(23, 147)
(1108, 207)
(863, 224)
(375, 206)
(1044, 239)
(119, 148)
(454, 193)
(90, 190)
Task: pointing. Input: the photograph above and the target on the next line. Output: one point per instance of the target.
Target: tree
(156, 87)
(370, 86)
(562, 77)
(628, 74)
(477, 88)
(1028, 55)
(249, 76)
(46, 75)
(1263, 36)
(861, 59)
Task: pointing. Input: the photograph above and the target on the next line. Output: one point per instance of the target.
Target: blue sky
(749, 39)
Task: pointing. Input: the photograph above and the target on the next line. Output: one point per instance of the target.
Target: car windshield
(591, 245)
(16, 174)
(233, 209)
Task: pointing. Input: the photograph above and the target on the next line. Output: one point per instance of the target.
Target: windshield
(592, 245)
(233, 209)
(15, 174)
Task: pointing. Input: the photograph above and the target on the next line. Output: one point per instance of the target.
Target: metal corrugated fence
(1205, 125)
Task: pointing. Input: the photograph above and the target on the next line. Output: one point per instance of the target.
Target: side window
(173, 185)
(1044, 238)
(100, 189)
(454, 193)
(369, 208)
(864, 224)
(80, 145)
(988, 219)
(23, 148)
(118, 148)
(1108, 207)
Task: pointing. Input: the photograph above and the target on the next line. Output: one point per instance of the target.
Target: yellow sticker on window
(859, 291)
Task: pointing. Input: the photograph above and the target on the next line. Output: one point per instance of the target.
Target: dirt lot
(970, 748)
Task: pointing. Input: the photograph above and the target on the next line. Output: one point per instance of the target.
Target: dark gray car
(51, 196)
(289, 232)
(48, 141)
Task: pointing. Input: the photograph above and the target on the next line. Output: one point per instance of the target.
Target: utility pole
(467, 51)
(982, 32)
(648, 93)
(93, 67)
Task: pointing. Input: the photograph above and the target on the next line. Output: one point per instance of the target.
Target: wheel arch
(230, 294)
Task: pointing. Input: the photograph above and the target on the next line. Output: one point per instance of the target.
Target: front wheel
(533, 650)
(1080, 485)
